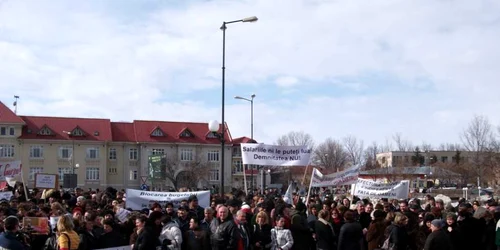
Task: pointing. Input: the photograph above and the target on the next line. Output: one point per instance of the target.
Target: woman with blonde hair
(67, 238)
(262, 232)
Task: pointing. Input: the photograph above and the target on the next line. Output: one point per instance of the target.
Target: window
(186, 133)
(186, 154)
(237, 151)
(133, 154)
(12, 131)
(112, 171)
(3, 130)
(157, 151)
(213, 155)
(77, 132)
(6, 151)
(157, 132)
(62, 171)
(444, 159)
(45, 131)
(238, 166)
(34, 171)
(92, 153)
(133, 175)
(65, 152)
(212, 135)
(214, 174)
(36, 152)
(92, 174)
(112, 153)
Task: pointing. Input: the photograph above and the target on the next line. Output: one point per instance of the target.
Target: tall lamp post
(251, 129)
(72, 162)
(214, 123)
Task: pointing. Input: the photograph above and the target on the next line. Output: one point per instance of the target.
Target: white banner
(373, 189)
(10, 169)
(6, 195)
(345, 177)
(116, 248)
(272, 155)
(138, 199)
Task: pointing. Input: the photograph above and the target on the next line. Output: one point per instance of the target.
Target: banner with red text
(10, 169)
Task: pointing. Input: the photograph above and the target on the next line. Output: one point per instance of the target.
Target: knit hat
(437, 223)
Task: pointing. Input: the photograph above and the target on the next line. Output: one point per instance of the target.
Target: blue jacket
(8, 241)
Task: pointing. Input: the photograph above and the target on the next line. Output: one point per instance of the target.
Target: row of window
(7, 131)
(238, 167)
(66, 152)
(91, 173)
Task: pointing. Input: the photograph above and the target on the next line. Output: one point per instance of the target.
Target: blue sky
(328, 68)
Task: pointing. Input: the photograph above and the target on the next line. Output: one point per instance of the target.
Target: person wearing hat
(8, 238)
(438, 239)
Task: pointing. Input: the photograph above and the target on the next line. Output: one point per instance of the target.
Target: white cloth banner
(373, 189)
(288, 197)
(10, 169)
(116, 248)
(345, 177)
(138, 199)
(6, 195)
(272, 155)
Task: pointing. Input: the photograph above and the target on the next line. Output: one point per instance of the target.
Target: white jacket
(172, 232)
(281, 239)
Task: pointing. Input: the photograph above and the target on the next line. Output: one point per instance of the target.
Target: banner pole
(24, 184)
(309, 190)
(245, 178)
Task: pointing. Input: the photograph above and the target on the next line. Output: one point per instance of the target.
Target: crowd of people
(88, 220)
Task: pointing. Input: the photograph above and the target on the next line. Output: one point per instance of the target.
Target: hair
(400, 219)
(390, 216)
(109, 222)
(324, 214)
(349, 216)
(264, 216)
(65, 224)
(209, 210)
(240, 213)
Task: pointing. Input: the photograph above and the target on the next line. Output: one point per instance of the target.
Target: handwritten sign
(47, 181)
(39, 225)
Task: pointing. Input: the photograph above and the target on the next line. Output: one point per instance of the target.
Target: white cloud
(83, 60)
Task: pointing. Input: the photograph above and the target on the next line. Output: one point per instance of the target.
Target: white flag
(288, 198)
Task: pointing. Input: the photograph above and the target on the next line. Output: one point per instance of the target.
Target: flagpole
(310, 186)
(24, 184)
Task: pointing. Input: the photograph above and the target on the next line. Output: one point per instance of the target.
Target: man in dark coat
(224, 233)
(438, 239)
(300, 229)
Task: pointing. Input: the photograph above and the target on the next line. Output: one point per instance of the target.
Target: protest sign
(9, 169)
(47, 181)
(272, 155)
(39, 225)
(6, 195)
(345, 177)
(139, 199)
(373, 189)
(121, 214)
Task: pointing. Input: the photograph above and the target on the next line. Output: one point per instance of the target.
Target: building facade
(104, 153)
(254, 174)
(407, 158)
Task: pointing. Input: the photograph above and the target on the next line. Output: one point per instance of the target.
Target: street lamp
(251, 129)
(221, 137)
(213, 126)
(73, 166)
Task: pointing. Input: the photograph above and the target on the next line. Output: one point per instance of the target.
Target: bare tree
(354, 149)
(294, 138)
(426, 147)
(478, 139)
(449, 147)
(370, 156)
(331, 154)
(402, 144)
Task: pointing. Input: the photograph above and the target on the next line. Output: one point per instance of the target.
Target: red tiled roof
(8, 116)
(240, 140)
(172, 130)
(123, 131)
(94, 129)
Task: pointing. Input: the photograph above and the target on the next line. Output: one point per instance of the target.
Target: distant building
(104, 153)
(407, 158)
